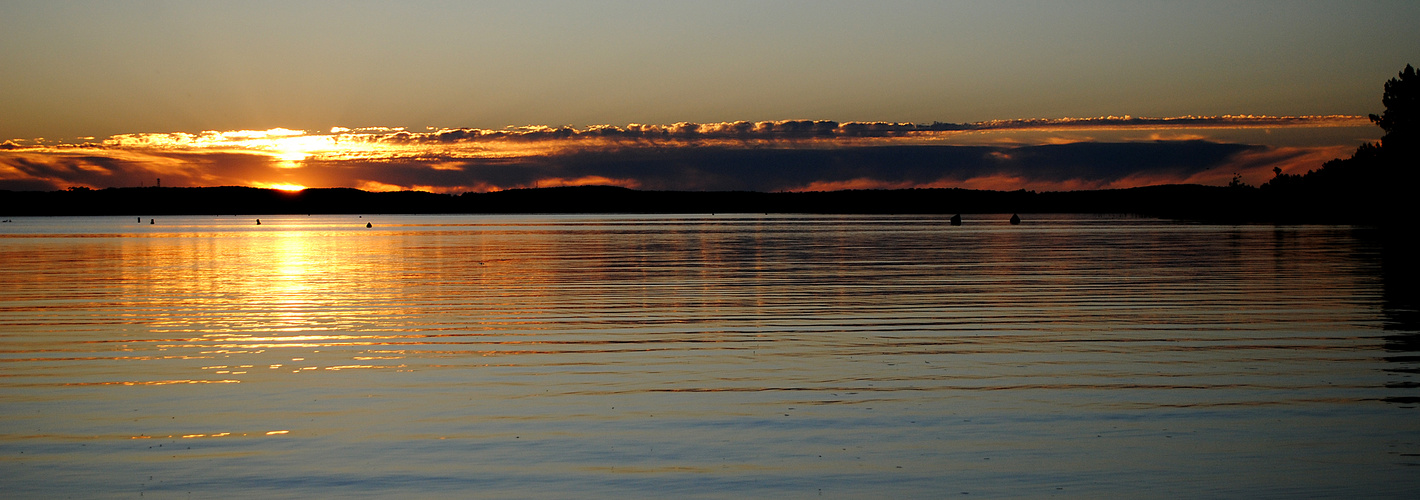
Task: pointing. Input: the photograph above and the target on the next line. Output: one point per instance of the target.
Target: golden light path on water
(704, 355)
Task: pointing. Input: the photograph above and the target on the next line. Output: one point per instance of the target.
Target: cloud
(827, 129)
(98, 168)
(1179, 122)
(720, 168)
(1255, 166)
(787, 155)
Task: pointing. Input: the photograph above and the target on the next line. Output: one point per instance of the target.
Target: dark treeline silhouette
(1376, 185)
(1188, 201)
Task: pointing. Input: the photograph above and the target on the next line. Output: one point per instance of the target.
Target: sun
(286, 187)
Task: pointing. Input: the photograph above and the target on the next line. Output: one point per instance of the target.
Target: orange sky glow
(481, 160)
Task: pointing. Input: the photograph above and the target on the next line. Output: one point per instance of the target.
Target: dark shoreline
(1189, 202)
(1174, 200)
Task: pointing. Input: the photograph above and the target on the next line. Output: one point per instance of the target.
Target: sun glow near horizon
(282, 187)
(288, 187)
(1003, 155)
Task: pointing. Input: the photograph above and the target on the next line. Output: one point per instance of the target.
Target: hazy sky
(108, 67)
(96, 69)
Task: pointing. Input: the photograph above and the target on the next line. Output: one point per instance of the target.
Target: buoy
(150, 221)
(1015, 219)
(258, 222)
(956, 220)
(367, 224)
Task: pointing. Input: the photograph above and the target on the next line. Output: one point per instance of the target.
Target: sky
(765, 95)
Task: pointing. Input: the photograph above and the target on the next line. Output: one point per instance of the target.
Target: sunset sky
(479, 96)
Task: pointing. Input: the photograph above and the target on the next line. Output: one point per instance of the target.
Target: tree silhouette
(1373, 183)
(1401, 119)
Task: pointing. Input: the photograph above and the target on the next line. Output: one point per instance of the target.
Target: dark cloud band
(827, 129)
(711, 168)
(751, 156)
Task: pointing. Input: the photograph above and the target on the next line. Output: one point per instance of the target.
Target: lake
(594, 356)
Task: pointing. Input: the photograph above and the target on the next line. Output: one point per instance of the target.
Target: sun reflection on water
(568, 341)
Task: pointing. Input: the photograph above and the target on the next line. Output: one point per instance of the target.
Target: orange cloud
(590, 180)
(1189, 122)
(1255, 167)
(785, 155)
(858, 183)
(1003, 182)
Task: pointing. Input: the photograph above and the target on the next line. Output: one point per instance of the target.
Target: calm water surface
(714, 356)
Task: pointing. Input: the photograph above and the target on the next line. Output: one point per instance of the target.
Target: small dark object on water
(956, 220)
(1015, 219)
(140, 219)
(367, 224)
(150, 221)
(258, 222)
